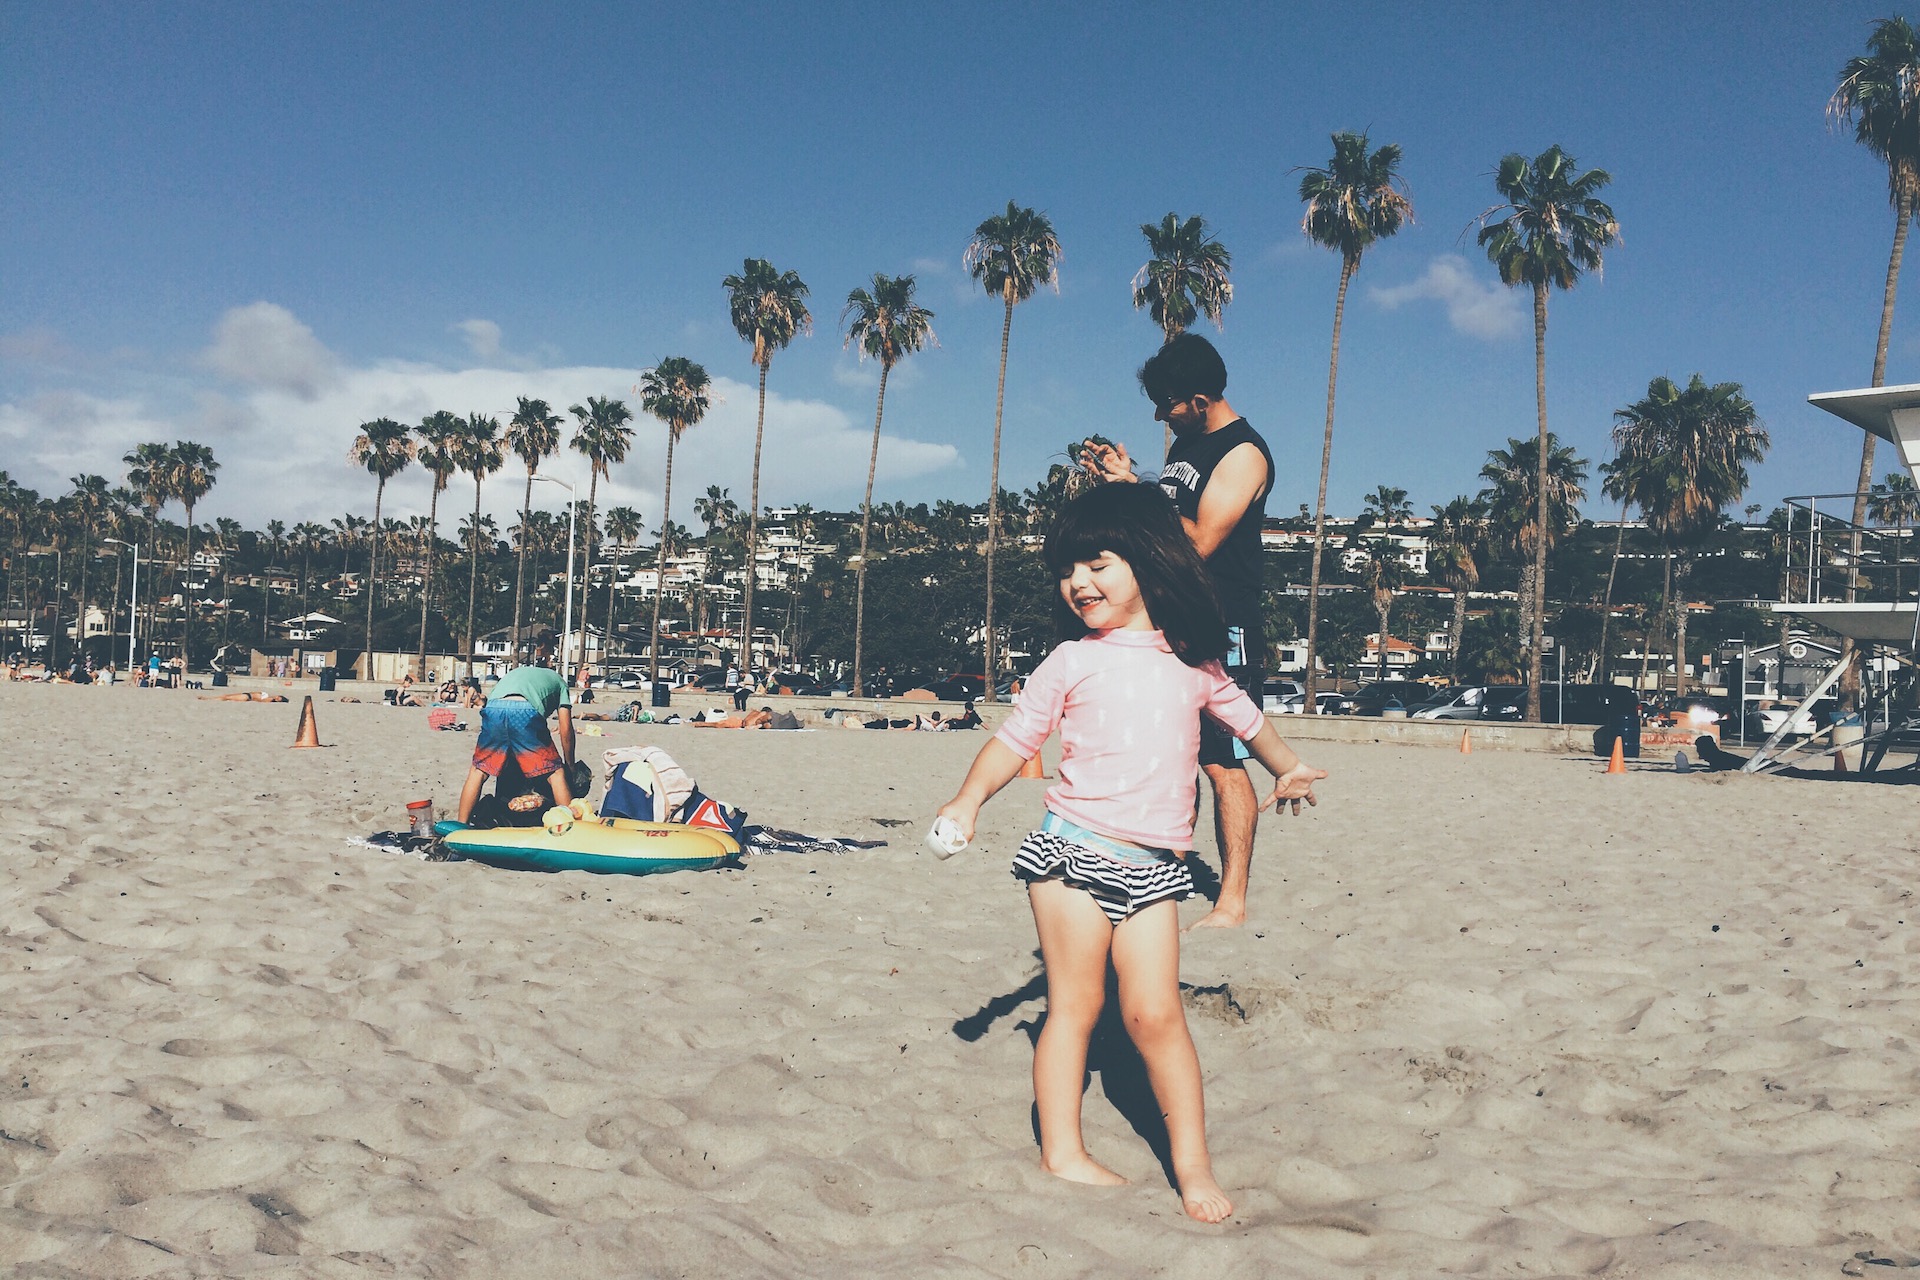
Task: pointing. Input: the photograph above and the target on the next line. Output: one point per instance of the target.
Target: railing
(1820, 560)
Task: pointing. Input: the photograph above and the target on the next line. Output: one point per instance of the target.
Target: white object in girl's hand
(945, 837)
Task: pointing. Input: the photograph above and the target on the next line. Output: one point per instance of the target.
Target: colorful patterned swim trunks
(514, 729)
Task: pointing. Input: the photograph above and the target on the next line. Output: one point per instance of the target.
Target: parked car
(1374, 699)
(1276, 691)
(1329, 704)
(1464, 703)
(1596, 704)
(1767, 720)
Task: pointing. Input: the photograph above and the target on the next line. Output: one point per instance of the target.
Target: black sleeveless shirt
(1235, 564)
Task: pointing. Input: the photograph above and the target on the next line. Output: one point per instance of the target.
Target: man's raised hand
(1106, 463)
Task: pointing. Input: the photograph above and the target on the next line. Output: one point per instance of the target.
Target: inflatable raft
(605, 846)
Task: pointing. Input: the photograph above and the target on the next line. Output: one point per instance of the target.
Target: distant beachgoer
(967, 719)
(1107, 865)
(256, 696)
(513, 728)
(748, 720)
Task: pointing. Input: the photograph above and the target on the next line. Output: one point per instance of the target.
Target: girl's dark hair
(1138, 523)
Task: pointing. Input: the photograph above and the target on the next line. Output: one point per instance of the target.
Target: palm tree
(148, 476)
(718, 513)
(1552, 227)
(768, 308)
(1185, 278)
(477, 450)
(190, 471)
(532, 435)
(1011, 255)
(676, 392)
(1514, 511)
(1682, 460)
(603, 437)
(1879, 95)
(437, 432)
(90, 502)
(1353, 202)
(888, 325)
(384, 447)
(1457, 535)
(623, 526)
(1384, 573)
(1896, 503)
(1390, 506)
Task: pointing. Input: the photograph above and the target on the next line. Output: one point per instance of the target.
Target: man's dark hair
(1186, 367)
(1138, 523)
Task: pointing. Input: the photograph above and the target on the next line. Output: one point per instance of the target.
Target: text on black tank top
(1235, 564)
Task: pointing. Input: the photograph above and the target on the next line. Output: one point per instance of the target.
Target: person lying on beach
(255, 696)
(1143, 636)
(632, 713)
(513, 726)
(760, 719)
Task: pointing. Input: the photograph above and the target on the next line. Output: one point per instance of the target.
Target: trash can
(326, 679)
(219, 679)
(662, 694)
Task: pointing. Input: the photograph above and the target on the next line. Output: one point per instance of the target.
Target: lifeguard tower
(1891, 626)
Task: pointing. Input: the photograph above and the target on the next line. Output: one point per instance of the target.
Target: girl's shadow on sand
(1111, 1059)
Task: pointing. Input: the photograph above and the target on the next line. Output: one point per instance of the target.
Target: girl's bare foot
(1203, 1199)
(1084, 1168)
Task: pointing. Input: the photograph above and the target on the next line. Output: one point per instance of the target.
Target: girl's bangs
(1088, 529)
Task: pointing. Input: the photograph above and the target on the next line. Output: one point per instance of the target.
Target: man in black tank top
(1218, 473)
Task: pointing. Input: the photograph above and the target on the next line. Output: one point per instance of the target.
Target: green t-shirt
(539, 685)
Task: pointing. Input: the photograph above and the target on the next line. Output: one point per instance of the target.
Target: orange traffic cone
(1618, 763)
(1466, 743)
(309, 735)
(1032, 769)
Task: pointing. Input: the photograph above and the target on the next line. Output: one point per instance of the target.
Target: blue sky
(256, 225)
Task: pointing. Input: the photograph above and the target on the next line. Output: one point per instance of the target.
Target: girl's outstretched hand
(963, 813)
(1293, 786)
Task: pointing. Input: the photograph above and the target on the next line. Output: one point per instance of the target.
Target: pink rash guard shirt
(1128, 712)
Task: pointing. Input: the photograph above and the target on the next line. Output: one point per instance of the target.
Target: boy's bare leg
(470, 793)
(562, 793)
(1146, 956)
(1236, 810)
(1074, 937)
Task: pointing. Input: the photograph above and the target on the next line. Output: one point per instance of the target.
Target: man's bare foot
(1084, 1168)
(1203, 1199)
(1220, 918)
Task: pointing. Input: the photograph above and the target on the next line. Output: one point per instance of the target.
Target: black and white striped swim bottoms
(1121, 880)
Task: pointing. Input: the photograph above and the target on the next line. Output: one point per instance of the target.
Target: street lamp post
(566, 626)
(133, 604)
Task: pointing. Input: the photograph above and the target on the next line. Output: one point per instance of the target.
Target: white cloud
(263, 345)
(1478, 308)
(282, 445)
(483, 338)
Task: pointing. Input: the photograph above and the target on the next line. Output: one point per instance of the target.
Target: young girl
(1105, 868)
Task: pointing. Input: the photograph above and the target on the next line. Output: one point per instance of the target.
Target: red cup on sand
(420, 818)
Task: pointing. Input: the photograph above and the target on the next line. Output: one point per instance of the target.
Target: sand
(1494, 1014)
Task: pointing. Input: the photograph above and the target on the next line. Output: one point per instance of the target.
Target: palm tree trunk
(866, 522)
(1681, 573)
(373, 567)
(753, 532)
(1312, 706)
(80, 611)
(1666, 604)
(993, 494)
(1538, 628)
(520, 568)
(1380, 665)
(186, 602)
(473, 576)
(1606, 606)
(586, 577)
(1459, 626)
(613, 583)
(426, 581)
(660, 571)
